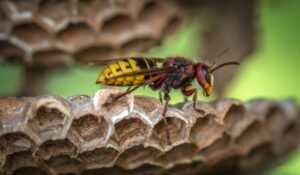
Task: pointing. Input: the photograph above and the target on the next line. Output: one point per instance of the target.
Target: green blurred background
(272, 72)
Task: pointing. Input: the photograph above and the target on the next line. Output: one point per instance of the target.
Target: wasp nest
(81, 135)
(55, 32)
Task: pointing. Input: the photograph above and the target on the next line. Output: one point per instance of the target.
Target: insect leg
(188, 91)
(194, 103)
(160, 97)
(130, 89)
(167, 99)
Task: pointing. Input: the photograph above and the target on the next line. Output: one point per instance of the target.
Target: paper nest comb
(49, 33)
(50, 134)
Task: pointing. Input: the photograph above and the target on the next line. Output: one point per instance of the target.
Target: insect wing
(106, 61)
(152, 71)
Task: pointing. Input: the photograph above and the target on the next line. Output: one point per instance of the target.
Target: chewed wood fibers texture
(50, 33)
(79, 135)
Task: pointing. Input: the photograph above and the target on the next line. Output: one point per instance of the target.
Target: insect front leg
(188, 91)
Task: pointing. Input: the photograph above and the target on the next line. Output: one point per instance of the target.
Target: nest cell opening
(5, 23)
(259, 155)
(51, 57)
(147, 104)
(218, 150)
(151, 12)
(165, 135)
(99, 157)
(255, 134)
(95, 53)
(15, 142)
(117, 25)
(92, 8)
(171, 26)
(146, 169)
(64, 164)
(275, 120)
(179, 154)
(89, 128)
(30, 33)
(236, 120)
(29, 171)
(138, 44)
(46, 121)
(76, 36)
(24, 7)
(136, 156)
(55, 147)
(205, 131)
(105, 171)
(12, 108)
(19, 160)
(11, 52)
(56, 10)
(131, 130)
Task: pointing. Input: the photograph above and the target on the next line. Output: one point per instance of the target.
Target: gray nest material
(79, 135)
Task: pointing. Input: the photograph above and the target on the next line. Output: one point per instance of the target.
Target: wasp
(174, 73)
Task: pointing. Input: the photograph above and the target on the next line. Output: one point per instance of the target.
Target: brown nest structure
(50, 134)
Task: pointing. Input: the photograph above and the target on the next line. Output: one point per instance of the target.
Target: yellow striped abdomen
(123, 66)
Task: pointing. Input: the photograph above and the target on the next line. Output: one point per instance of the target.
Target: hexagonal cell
(146, 104)
(183, 153)
(137, 156)
(104, 171)
(258, 157)
(217, 151)
(56, 12)
(138, 44)
(14, 113)
(64, 164)
(51, 57)
(205, 131)
(192, 168)
(116, 25)
(151, 13)
(90, 9)
(164, 137)
(253, 136)
(19, 160)
(31, 34)
(289, 139)
(11, 52)
(95, 53)
(171, 26)
(130, 131)
(75, 36)
(88, 131)
(5, 23)
(99, 157)
(236, 120)
(52, 148)
(116, 111)
(276, 121)
(51, 118)
(145, 169)
(15, 142)
(29, 171)
(24, 9)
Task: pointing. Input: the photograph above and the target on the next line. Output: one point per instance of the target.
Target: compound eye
(207, 76)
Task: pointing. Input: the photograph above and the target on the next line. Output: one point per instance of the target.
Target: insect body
(123, 66)
(175, 73)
